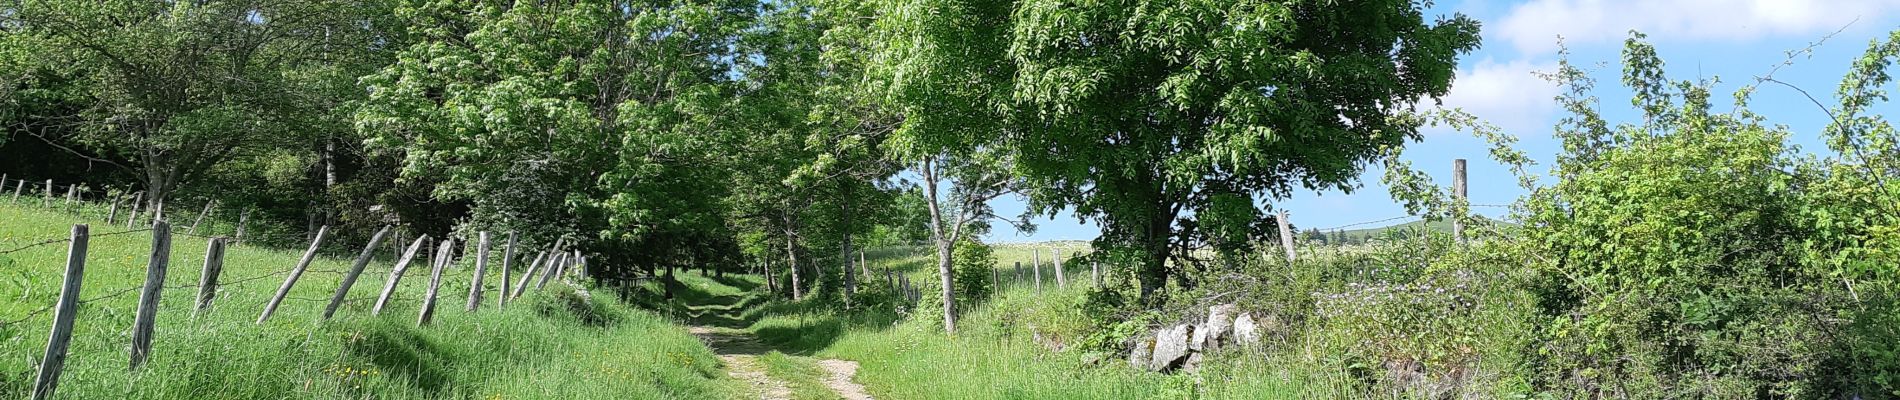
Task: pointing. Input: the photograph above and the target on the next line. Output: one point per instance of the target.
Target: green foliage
(973, 265)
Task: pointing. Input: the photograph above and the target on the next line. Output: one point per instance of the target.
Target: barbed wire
(69, 239)
(122, 292)
(1368, 223)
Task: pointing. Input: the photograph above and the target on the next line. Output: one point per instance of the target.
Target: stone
(1171, 348)
(1139, 355)
(1219, 327)
(1199, 342)
(1246, 332)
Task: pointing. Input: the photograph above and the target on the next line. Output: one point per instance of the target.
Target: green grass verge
(542, 346)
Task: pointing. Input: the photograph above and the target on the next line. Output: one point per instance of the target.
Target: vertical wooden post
(201, 217)
(996, 281)
(143, 322)
(435, 282)
(863, 267)
(1286, 236)
(356, 270)
(1095, 271)
(1019, 274)
(54, 360)
(72, 193)
(1037, 267)
(395, 275)
(47, 198)
(1458, 193)
(308, 255)
(507, 263)
(481, 268)
(208, 281)
(1062, 281)
(522, 287)
(244, 218)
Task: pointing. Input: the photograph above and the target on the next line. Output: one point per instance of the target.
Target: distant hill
(1361, 234)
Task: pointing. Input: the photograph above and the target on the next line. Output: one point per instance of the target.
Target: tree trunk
(791, 253)
(943, 241)
(844, 255)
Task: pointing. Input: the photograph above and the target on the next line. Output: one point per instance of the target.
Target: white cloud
(1509, 95)
(1532, 27)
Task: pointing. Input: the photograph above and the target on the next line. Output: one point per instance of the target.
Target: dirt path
(740, 354)
(840, 380)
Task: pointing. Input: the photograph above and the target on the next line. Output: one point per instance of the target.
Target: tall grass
(545, 345)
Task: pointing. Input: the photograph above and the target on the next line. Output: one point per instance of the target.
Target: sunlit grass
(536, 347)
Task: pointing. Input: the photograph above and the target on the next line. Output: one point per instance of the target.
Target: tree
(596, 119)
(173, 89)
(1145, 117)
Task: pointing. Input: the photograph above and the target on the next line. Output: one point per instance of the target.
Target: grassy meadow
(544, 345)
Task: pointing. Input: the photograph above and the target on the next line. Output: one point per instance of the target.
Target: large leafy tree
(596, 119)
(172, 89)
(1153, 118)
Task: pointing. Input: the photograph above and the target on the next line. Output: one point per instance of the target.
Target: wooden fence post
(308, 255)
(112, 213)
(481, 268)
(1458, 192)
(435, 282)
(507, 263)
(208, 281)
(47, 198)
(1037, 267)
(244, 218)
(68, 306)
(547, 271)
(201, 217)
(17, 188)
(349, 278)
(1061, 280)
(138, 202)
(1286, 236)
(395, 275)
(1095, 271)
(72, 193)
(522, 287)
(143, 322)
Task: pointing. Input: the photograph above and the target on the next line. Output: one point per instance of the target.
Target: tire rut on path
(740, 355)
(840, 381)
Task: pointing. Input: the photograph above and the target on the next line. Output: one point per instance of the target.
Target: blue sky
(1733, 40)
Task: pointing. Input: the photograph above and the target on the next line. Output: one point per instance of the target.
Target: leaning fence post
(349, 279)
(547, 271)
(522, 287)
(507, 262)
(208, 281)
(138, 201)
(56, 342)
(395, 275)
(201, 217)
(72, 193)
(113, 212)
(435, 282)
(308, 255)
(1061, 280)
(481, 268)
(143, 322)
(21, 187)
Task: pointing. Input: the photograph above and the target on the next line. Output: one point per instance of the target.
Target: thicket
(1692, 251)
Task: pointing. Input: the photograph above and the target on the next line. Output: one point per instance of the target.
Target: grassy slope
(535, 348)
